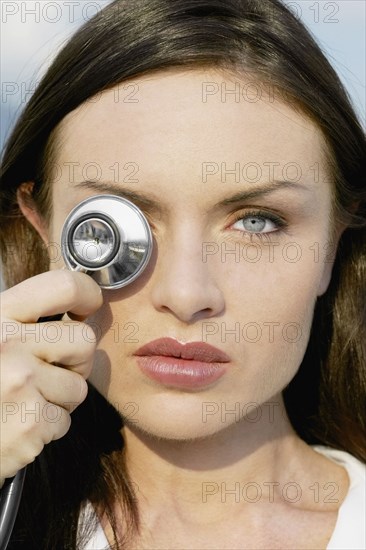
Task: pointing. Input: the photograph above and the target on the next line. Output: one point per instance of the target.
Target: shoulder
(90, 535)
(350, 527)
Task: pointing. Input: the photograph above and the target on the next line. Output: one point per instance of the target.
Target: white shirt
(349, 532)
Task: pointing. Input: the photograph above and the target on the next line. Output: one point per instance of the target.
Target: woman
(247, 161)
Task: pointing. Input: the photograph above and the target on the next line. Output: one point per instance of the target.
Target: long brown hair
(129, 38)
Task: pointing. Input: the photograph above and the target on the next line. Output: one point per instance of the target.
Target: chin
(179, 423)
(173, 433)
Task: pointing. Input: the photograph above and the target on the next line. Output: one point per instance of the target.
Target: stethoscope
(109, 238)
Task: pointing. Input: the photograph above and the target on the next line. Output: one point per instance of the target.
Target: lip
(197, 351)
(187, 366)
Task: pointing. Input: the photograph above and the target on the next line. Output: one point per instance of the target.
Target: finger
(62, 387)
(41, 422)
(69, 343)
(51, 293)
(30, 376)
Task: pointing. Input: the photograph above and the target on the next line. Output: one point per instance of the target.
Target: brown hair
(325, 400)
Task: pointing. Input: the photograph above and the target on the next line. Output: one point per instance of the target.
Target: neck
(199, 475)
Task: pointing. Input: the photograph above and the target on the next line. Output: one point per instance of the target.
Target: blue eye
(258, 223)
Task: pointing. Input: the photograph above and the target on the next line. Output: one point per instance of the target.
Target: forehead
(171, 122)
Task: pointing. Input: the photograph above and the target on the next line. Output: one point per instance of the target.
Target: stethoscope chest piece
(109, 238)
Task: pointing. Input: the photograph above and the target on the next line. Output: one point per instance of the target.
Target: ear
(29, 209)
(329, 259)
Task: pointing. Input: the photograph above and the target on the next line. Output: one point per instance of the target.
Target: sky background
(33, 31)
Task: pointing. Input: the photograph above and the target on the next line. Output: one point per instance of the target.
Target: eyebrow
(152, 205)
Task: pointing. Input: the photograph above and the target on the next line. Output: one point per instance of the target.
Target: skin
(173, 448)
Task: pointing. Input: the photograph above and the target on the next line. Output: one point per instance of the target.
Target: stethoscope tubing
(11, 494)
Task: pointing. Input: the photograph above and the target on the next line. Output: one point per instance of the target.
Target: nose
(183, 284)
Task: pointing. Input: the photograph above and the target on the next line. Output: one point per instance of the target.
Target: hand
(44, 366)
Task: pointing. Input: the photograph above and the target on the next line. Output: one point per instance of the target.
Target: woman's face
(241, 275)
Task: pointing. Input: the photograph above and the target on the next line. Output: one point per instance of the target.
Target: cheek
(119, 334)
(274, 346)
(269, 312)
(279, 280)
